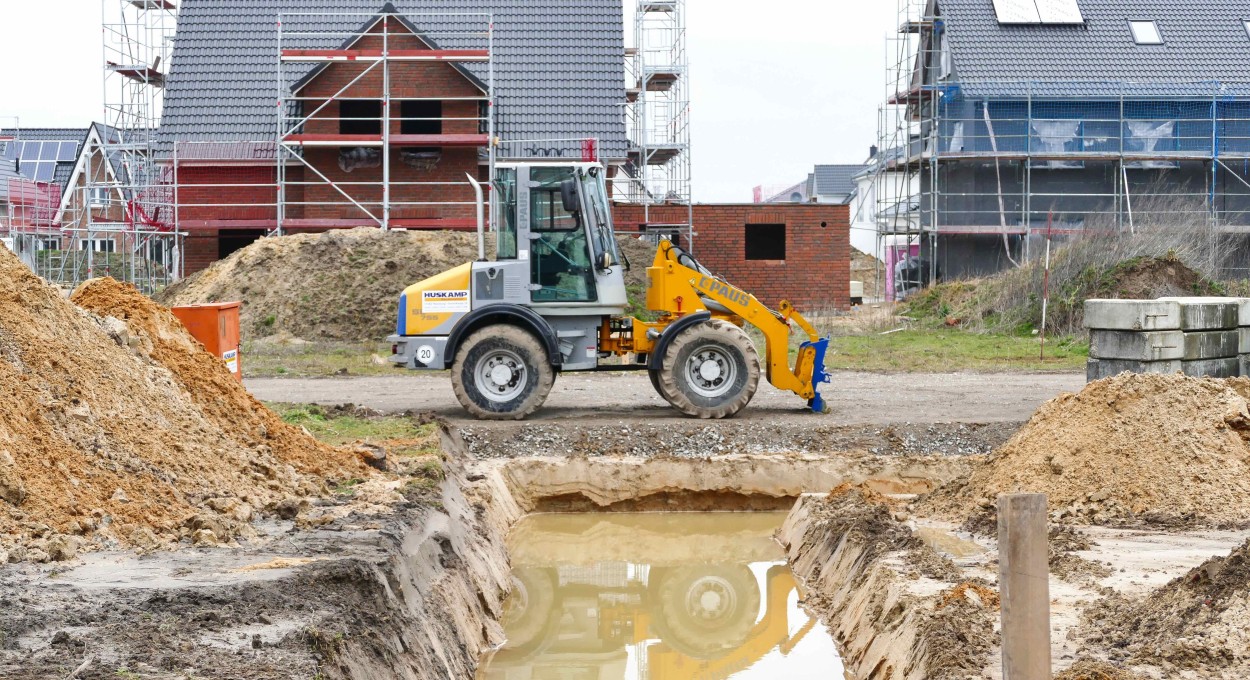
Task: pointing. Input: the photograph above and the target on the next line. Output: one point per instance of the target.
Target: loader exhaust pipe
(481, 218)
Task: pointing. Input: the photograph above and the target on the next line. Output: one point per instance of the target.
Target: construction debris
(124, 432)
(1102, 455)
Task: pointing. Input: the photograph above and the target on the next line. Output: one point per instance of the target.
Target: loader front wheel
(501, 373)
(710, 371)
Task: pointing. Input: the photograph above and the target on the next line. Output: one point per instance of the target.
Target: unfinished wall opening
(420, 117)
(360, 117)
(765, 241)
(233, 240)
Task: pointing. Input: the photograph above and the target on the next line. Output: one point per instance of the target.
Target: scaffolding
(358, 144)
(966, 168)
(118, 218)
(658, 171)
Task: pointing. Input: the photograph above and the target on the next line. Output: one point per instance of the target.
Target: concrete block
(1132, 315)
(1244, 362)
(1137, 346)
(1097, 369)
(1212, 368)
(1211, 345)
(1243, 305)
(1207, 314)
(1243, 342)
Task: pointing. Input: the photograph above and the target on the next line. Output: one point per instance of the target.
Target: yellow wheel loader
(553, 300)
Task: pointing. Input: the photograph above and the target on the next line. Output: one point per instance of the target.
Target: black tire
(707, 611)
(731, 382)
(501, 352)
(655, 380)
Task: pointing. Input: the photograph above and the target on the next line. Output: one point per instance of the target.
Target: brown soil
(1134, 449)
(103, 443)
(866, 268)
(340, 285)
(957, 629)
(1198, 621)
(1095, 670)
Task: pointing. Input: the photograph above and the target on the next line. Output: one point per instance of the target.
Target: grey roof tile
(1206, 51)
(836, 181)
(559, 65)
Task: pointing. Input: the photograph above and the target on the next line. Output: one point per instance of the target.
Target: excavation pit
(660, 595)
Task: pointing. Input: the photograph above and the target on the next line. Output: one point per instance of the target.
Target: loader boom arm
(677, 288)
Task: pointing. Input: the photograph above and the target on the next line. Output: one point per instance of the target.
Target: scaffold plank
(392, 55)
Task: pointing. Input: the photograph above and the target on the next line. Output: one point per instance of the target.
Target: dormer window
(1146, 32)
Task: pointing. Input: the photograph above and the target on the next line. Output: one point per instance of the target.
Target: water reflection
(656, 597)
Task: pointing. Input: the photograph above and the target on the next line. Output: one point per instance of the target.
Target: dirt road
(856, 398)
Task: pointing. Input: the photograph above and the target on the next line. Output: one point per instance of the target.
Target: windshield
(594, 188)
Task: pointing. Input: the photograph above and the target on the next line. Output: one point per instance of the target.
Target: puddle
(662, 596)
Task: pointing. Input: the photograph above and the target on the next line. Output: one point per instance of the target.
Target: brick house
(367, 114)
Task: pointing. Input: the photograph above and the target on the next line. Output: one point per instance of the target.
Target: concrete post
(1024, 583)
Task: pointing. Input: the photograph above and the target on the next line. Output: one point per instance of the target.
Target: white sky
(777, 86)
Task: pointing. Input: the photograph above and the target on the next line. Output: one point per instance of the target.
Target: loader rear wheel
(710, 371)
(501, 373)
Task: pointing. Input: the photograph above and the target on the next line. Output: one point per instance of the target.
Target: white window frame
(1153, 36)
(1245, 23)
(97, 245)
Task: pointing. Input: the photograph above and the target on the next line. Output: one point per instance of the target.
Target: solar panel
(68, 151)
(1038, 12)
(1059, 12)
(44, 172)
(1017, 12)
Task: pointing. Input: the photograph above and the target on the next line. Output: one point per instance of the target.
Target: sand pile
(1130, 449)
(119, 434)
(1198, 621)
(340, 285)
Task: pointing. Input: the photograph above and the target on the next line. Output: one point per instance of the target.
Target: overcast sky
(774, 92)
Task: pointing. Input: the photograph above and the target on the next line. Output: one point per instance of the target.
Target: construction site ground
(159, 520)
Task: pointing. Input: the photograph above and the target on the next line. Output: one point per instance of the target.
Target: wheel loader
(553, 300)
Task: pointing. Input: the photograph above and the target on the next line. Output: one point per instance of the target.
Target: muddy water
(658, 596)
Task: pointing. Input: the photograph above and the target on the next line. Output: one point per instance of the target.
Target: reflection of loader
(692, 620)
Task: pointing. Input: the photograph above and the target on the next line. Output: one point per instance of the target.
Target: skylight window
(1146, 33)
(1246, 23)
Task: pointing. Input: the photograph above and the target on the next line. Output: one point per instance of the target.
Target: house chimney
(872, 152)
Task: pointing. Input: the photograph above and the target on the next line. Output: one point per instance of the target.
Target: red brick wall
(816, 273)
(409, 80)
(252, 193)
(199, 250)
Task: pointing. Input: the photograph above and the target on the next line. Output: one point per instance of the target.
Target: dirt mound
(1096, 670)
(869, 270)
(1158, 449)
(101, 441)
(1198, 621)
(1012, 301)
(339, 285)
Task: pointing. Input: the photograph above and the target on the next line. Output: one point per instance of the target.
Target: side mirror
(568, 196)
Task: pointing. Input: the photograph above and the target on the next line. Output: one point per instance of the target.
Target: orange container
(217, 326)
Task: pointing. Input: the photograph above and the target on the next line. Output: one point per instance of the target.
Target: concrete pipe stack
(1197, 336)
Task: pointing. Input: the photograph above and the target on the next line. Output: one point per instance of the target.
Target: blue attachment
(819, 374)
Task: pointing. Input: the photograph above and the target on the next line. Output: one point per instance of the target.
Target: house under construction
(1008, 120)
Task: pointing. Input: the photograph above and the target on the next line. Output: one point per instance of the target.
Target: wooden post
(1024, 583)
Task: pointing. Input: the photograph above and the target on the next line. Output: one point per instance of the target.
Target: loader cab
(555, 218)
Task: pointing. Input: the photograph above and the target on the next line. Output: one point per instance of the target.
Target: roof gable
(364, 33)
(559, 69)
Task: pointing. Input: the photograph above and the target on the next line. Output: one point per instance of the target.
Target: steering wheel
(576, 268)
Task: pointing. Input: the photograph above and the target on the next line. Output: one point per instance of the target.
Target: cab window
(561, 262)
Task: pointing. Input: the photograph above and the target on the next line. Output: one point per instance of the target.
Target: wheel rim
(711, 371)
(500, 375)
(710, 600)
